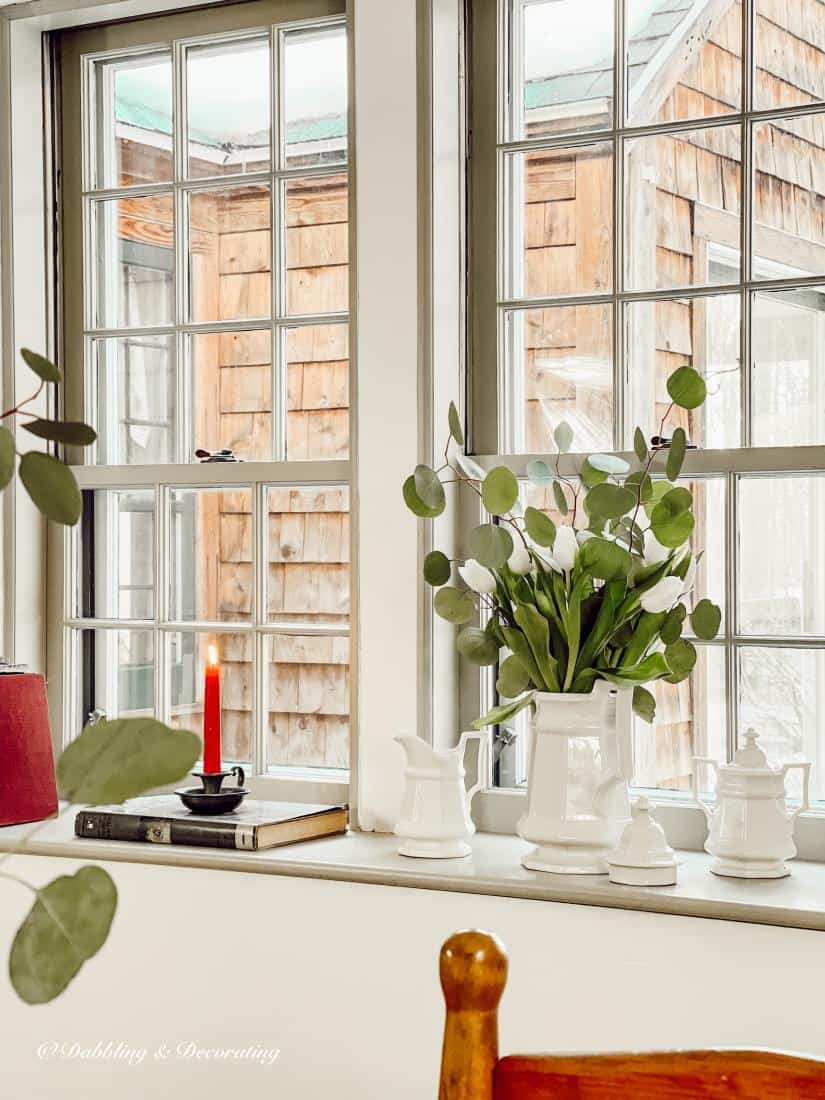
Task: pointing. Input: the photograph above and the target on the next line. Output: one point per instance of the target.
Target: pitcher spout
(419, 753)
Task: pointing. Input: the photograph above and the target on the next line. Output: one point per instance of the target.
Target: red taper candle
(212, 714)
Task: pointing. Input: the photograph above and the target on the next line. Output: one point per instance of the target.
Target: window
(652, 195)
(205, 297)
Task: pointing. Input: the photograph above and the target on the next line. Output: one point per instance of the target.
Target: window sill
(493, 868)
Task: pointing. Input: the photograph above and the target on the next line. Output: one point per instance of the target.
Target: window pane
(567, 67)
(682, 64)
(228, 107)
(682, 201)
(116, 553)
(188, 655)
(317, 363)
(135, 261)
(133, 116)
(789, 193)
(117, 674)
(308, 695)
(702, 332)
(317, 245)
(309, 554)
(690, 721)
(782, 697)
(708, 540)
(788, 353)
(560, 205)
(211, 570)
(781, 546)
(136, 399)
(230, 243)
(560, 367)
(788, 44)
(315, 97)
(232, 392)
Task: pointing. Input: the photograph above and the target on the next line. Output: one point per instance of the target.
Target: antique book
(162, 819)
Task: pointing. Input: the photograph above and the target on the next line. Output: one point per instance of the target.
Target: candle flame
(213, 655)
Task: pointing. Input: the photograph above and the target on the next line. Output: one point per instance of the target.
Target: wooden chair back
(473, 969)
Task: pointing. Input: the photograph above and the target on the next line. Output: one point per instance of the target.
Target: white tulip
(565, 548)
(520, 561)
(477, 577)
(663, 595)
(546, 557)
(654, 553)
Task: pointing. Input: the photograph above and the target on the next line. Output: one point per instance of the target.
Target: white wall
(342, 978)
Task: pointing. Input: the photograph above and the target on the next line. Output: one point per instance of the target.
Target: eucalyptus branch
(19, 881)
(27, 401)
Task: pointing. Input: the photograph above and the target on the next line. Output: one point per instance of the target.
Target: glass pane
(211, 569)
(788, 44)
(135, 261)
(309, 554)
(788, 379)
(690, 721)
(228, 107)
(317, 245)
(782, 697)
(136, 398)
(117, 674)
(560, 367)
(700, 332)
(133, 117)
(682, 64)
(315, 97)
(317, 363)
(235, 367)
(561, 203)
(116, 553)
(308, 697)
(782, 555)
(567, 67)
(230, 246)
(188, 656)
(682, 203)
(789, 193)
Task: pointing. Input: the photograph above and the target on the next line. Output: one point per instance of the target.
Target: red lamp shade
(27, 783)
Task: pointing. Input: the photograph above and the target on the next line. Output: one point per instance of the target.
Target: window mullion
(731, 604)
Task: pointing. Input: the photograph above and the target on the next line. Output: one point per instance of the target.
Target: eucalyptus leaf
(672, 627)
(560, 497)
(44, 368)
(74, 433)
(539, 527)
(513, 677)
(52, 487)
(604, 559)
(504, 712)
(436, 568)
(678, 500)
(490, 545)
(429, 488)
(6, 456)
(609, 501)
(680, 657)
(499, 491)
(414, 502)
(641, 485)
(455, 606)
(676, 454)
(468, 466)
(66, 926)
(640, 445)
(477, 646)
(540, 473)
(591, 476)
(687, 388)
(454, 420)
(609, 464)
(563, 435)
(114, 760)
(644, 703)
(706, 618)
(671, 530)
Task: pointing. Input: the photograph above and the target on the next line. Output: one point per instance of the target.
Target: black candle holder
(210, 798)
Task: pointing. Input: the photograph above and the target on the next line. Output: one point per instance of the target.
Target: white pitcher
(435, 820)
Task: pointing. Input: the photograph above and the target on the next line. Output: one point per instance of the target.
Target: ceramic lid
(750, 757)
(643, 842)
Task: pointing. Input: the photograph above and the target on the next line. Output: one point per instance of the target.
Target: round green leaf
(6, 456)
(415, 504)
(429, 488)
(477, 646)
(52, 487)
(644, 703)
(680, 657)
(120, 759)
(672, 626)
(678, 501)
(640, 445)
(468, 466)
(591, 476)
(604, 559)
(513, 677)
(67, 925)
(44, 368)
(706, 618)
(560, 497)
(436, 568)
(640, 485)
(676, 454)
(499, 491)
(490, 545)
(609, 501)
(687, 388)
(540, 473)
(563, 435)
(454, 421)
(609, 464)
(455, 606)
(671, 529)
(71, 432)
(539, 527)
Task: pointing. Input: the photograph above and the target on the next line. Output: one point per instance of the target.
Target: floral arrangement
(600, 595)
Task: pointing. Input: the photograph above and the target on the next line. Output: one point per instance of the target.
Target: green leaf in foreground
(609, 501)
(604, 559)
(429, 488)
(539, 472)
(455, 606)
(670, 527)
(706, 618)
(454, 421)
(560, 498)
(116, 760)
(644, 703)
(490, 545)
(504, 712)
(44, 368)
(415, 504)
(513, 677)
(609, 464)
(74, 433)
(639, 445)
(680, 657)
(539, 527)
(436, 568)
(52, 487)
(6, 456)
(67, 925)
(477, 646)
(676, 454)
(499, 491)
(687, 388)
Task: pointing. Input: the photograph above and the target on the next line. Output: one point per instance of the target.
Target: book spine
(97, 825)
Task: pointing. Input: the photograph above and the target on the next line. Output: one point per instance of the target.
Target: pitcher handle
(483, 750)
(806, 781)
(695, 784)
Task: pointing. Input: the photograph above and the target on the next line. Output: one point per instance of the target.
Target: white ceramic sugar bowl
(750, 830)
